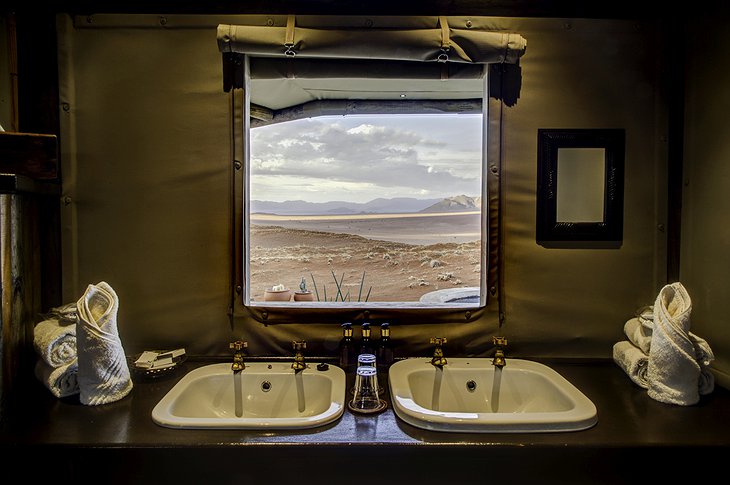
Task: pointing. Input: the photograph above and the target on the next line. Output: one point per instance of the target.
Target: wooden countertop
(631, 426)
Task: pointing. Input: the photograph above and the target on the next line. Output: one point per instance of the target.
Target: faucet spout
(238, 365)
(299, 364)
(438, 359)
(499, 359)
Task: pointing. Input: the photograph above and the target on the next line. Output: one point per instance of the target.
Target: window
(376, 208)
(364, 146)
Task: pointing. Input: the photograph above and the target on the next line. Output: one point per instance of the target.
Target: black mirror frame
(606, 234)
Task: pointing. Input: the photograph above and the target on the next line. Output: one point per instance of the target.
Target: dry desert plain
(401, 256)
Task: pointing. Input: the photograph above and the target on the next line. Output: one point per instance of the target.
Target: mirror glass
(581, 182)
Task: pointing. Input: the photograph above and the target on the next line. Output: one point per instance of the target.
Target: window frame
(317, 311)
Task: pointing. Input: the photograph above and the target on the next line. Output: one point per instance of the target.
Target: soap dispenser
(347, 349)
(366, 345)
(385, 348)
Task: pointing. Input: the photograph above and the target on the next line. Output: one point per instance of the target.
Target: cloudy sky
(360, 158)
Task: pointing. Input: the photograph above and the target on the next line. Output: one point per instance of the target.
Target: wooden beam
(261, 113)
(338, 107)
(29, 154)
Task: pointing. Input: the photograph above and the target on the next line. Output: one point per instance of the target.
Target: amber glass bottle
(348, 356)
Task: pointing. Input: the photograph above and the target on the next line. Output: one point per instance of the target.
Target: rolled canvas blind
(435, 40)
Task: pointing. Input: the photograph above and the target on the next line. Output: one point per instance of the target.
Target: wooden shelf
(30, 155)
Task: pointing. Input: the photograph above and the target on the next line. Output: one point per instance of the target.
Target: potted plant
(277, 293)
(303, 294)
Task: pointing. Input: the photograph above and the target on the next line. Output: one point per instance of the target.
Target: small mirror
(580, 188)
(581, 177)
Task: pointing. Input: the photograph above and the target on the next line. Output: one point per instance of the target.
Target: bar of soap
(151, 359)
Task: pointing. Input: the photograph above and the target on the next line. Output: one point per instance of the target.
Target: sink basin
(471, 395)
(264, 395)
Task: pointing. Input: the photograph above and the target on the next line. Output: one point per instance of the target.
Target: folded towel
(66, 313)
(673, 372)
(704, 356)
(54, 342)
(639, 333)
(103, 372)
(633, 361)
(62, 381)
(703, 352)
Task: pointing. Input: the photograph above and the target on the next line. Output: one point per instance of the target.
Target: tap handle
(299, 345)
(238, 345)
(499, 341)
(438, 340)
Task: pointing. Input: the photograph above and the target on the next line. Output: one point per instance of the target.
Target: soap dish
(157, 363)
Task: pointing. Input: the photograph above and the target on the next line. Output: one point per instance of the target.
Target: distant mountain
(455, 204)
(396, 205)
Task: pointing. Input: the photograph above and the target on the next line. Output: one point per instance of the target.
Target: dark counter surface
(629, 423)
(626, 417)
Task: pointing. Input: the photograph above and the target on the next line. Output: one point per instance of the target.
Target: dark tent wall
(145, 146)
(706, 178)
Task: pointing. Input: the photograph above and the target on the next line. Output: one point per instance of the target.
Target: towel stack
(80, 350)
(662, 355)
(54, 339)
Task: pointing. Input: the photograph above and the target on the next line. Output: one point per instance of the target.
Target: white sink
(471, 395)
(264, 395)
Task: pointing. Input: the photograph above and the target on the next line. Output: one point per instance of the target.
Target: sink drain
(266, 386)
(471, 386)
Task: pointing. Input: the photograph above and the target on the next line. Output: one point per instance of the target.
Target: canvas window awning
(293, 49)
(431, 40)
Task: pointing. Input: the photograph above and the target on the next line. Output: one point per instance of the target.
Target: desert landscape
(399, 260)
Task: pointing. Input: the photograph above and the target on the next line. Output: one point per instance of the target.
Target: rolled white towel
(103, 372)
(639, 333)
(705, 356)
(633, 361)
(703, 351)
(55, 343)
(62, 381)
(66, 313)
(673, 371)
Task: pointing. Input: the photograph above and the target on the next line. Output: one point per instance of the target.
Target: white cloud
(361, 158)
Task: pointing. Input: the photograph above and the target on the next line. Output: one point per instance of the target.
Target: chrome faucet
(499, 360)
(237, 348)
(298, 363)
(438, 359)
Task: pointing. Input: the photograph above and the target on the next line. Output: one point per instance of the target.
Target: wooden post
(20, 269)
